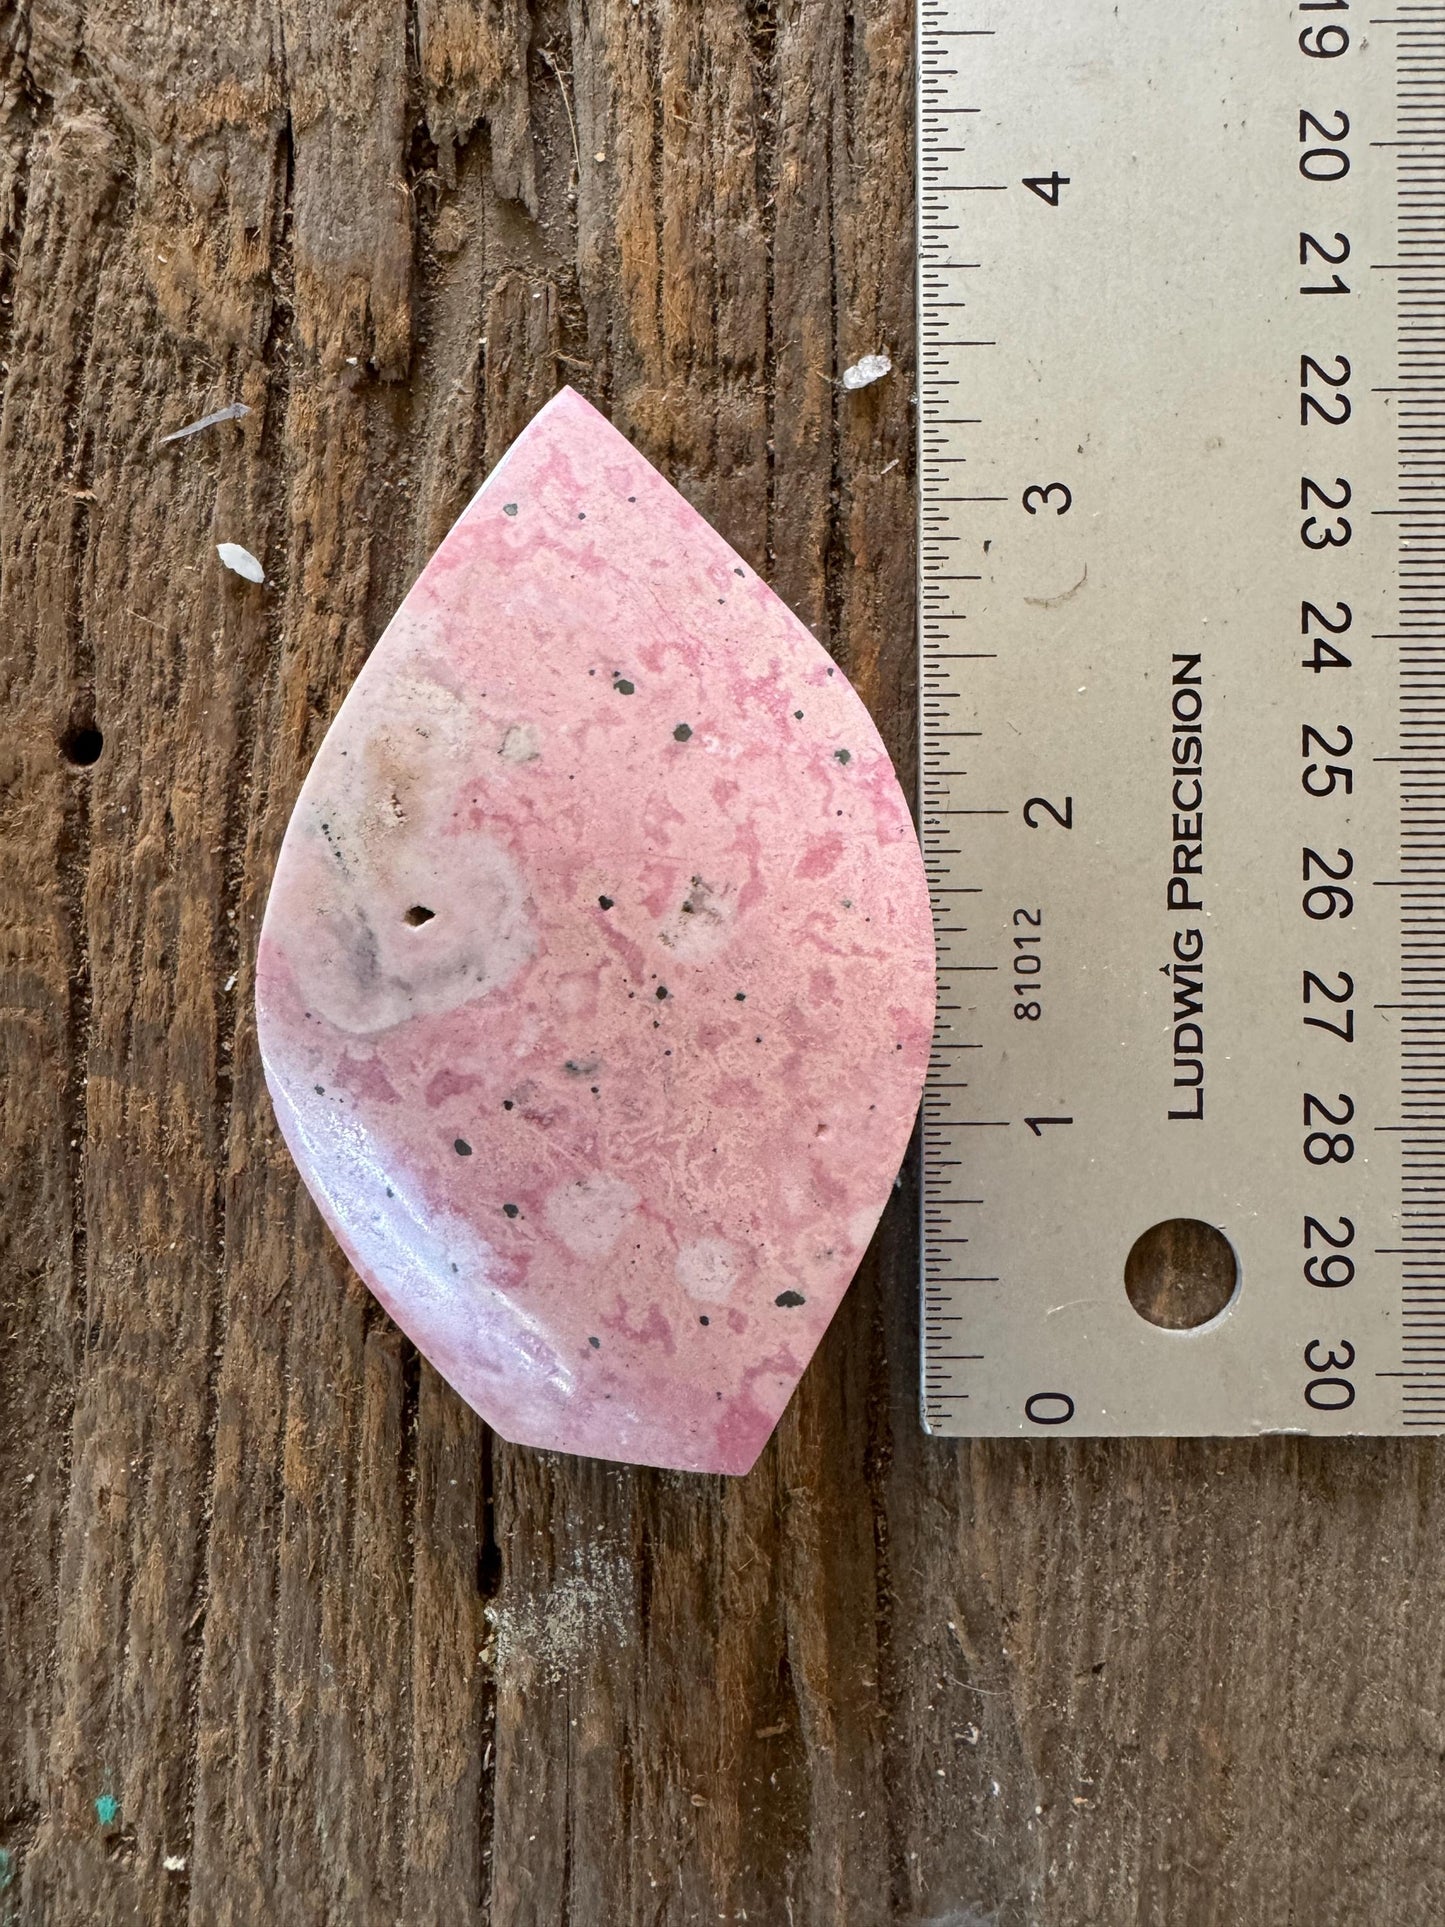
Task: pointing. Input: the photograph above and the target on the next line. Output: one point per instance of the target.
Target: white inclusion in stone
(861, 1227)
(370, 962)
(701, 925)
(708, 1269)
(589, 1214)
(521, 744)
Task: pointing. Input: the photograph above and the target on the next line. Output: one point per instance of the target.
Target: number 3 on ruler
(1036, 496)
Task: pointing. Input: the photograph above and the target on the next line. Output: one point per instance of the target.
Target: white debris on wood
(174, 1863)
(865, 372)
(236, 412)
(241, 561)
(581, 1613)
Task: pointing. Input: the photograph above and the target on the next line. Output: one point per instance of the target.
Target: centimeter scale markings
(1182, 623)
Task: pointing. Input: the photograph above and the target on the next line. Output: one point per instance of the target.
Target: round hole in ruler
(1180, 1274)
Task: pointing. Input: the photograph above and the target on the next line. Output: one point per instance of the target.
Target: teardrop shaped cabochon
(595, 989)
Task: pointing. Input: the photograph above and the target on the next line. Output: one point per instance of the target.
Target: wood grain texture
(285, 1636)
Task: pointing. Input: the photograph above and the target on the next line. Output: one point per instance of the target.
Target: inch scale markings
(1182, 595)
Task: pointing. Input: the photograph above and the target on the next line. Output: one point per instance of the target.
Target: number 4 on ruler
(1047, 186)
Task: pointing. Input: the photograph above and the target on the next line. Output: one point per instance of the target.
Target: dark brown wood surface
(285, 1637)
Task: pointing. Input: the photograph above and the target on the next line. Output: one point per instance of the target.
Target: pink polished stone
(596, 983)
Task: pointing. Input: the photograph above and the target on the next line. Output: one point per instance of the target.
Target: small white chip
(870, 369)
(241, 561)
(237, 411)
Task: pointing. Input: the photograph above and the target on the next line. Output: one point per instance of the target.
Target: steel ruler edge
(1181, 433)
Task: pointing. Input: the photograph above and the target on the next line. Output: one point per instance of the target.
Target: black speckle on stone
(596, 1090)
(704, 1319)
(509, 508)
(581, 515)
(741, 995)
(462, 1148)
(506, 1103)
(798, 715)
(321, 1090)
(511, 1210)
(595, 1343)
(453, 1267)
(830, 669)
(787, 1299)
(606, 902)
(843, 755)
(389, 1192)
(757, 1040)
(624, 687)
(661, 992)
(682, 733)
(632, 498)
(737, 571)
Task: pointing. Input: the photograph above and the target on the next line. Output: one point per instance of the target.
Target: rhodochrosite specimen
(596, 983)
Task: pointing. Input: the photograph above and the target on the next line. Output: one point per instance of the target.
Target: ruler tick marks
(1058, 1011)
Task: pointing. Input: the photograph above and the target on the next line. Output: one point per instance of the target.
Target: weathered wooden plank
(270, 1589)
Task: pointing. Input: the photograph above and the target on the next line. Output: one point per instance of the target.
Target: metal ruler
(1182, 456)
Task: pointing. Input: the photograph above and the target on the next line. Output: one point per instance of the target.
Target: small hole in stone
(1180, 1274)
(81, 745)
(418, 915)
